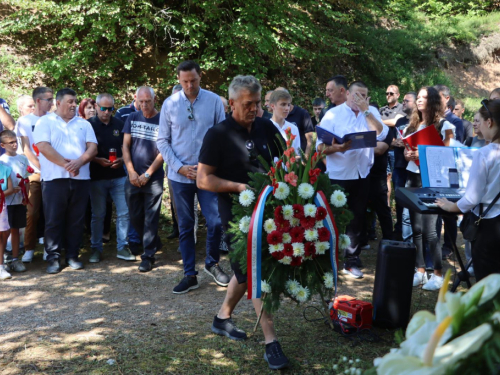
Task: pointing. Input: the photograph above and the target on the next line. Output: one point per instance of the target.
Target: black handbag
(470, 222)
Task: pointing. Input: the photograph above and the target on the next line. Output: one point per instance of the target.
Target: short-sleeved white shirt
(25, 128)
(69, 139)
(294, 130)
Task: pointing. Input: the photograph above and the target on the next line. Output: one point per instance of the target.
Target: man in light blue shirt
(185, 118)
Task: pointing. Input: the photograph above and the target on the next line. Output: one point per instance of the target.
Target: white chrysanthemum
(246, 197)
(294, 222)
(274, 248)
(287, 210)
(287, 238)
(286, 260)
(245, 224)
(311, 234)
(305, 190)
(302, 294)
(319, 224)
(292, 286)
(338, 199)
(282, 191)
(328, 280)
(265, 287)
(269, 225)
(344, 241)
(321, 247)
(298, 249)
(310, 210)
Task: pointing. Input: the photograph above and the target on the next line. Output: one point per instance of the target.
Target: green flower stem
(325, 306)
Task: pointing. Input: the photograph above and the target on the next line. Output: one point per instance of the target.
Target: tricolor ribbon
(329, 222)
(22, 184)
(2, 196)
(254, 245)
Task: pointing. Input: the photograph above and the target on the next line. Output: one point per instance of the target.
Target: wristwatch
(366, 113)
(147, 175)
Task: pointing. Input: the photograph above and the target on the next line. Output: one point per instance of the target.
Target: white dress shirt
(484, 181)
(69, 139)
(294, 131)
(352, 164)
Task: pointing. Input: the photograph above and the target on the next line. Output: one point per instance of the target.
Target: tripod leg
(463, 275)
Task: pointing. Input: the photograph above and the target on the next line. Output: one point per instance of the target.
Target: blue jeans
(98, 193)
(184, 198)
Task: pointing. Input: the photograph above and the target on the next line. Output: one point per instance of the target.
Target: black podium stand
(410, 198)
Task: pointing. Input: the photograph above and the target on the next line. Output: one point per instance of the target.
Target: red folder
(428, 136)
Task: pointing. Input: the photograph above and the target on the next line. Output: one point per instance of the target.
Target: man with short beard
(65, 177)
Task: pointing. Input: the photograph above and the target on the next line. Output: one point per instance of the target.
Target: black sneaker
(146, 265)
(173, 234)
(54, 266)
(359, 263)
(353, 271)
(219, 276)
(226, 327)
(275, 357)
(135, 248)
(187, 283)
(74, 263)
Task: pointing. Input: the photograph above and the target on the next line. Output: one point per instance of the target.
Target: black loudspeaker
(393, 284)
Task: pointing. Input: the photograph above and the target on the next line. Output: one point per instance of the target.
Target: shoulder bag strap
(482, 215)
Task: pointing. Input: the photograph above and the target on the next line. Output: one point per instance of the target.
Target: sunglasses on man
(389, 94)
(110, 109)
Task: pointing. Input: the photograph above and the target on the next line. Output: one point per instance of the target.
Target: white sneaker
(45, 255)
(40, 240)
(419, 278)
(28, 256)
(471, 271)
(434, 283)
(4, 275)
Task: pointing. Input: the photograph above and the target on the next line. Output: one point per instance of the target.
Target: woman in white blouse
(482, 187)
(428, 112)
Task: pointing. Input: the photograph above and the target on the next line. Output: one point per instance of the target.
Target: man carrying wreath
(229, 152)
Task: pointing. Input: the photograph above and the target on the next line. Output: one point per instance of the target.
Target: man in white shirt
(67, 144)
(281, 102)
(43, 98)
(349, 168)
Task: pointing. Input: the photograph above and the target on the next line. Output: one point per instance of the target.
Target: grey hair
(20, 101)
(151, 91)
(240, 82)
(176, 88)
(102, 96)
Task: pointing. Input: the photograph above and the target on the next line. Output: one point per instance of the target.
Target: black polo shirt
(302, 120)
(379, 167)
(399, 152)
(108, 136)
(389, 113)
(224, 147)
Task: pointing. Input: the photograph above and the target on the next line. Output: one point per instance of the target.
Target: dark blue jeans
(184, 204)
(144, 205)
(399, 180)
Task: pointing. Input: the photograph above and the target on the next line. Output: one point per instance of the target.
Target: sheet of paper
(464, 163)
(439, 162)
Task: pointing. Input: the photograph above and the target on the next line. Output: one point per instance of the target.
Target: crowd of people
(65, 163)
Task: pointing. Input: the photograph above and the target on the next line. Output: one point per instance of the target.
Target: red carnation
(298, 211)
(320, 213)
(278, 255)
(30, 170)
(274, 238)
(296, 261)
(309, 249)
(278, 213)
(287, 250)
(308, 222)
(323, 234)
(297, 234)
(282, 225)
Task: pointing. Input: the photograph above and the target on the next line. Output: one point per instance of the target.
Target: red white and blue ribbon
(329, 222)
(254, 245)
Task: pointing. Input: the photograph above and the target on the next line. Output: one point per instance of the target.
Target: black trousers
(486, 248)
(357, 202)
(424, 226)
(378, 201)
(64, 204)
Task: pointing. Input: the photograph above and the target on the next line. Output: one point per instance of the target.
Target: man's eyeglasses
(389, 94)
(484, 103)
(191, 113)
(104, 109)
(252, 154)
(48, 100)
